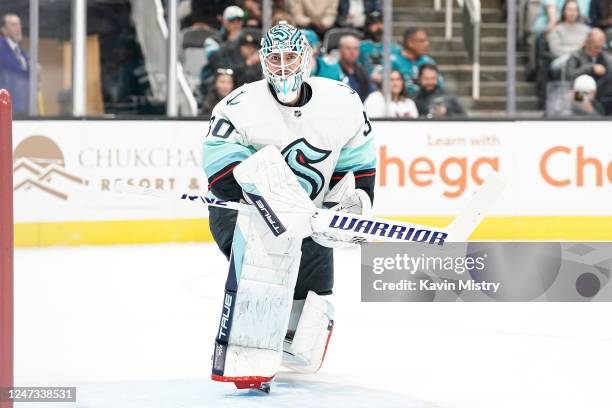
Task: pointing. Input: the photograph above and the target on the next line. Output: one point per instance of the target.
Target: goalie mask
(285, 56)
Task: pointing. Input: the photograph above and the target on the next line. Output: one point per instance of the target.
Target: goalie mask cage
(6, 247)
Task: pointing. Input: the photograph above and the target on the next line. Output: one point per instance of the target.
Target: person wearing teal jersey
(371, 54)
(412, 57)
(371, 47)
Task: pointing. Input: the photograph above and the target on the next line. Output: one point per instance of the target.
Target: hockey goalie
(288, 144)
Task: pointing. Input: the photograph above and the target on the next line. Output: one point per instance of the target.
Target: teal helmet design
(286, 58)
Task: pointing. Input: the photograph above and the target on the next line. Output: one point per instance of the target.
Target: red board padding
(6, 245)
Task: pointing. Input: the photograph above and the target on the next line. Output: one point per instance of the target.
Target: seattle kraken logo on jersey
(299, 155)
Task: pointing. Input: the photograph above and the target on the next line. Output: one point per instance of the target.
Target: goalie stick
(365, 228)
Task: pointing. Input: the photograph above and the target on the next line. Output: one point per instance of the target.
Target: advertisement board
(559, 179)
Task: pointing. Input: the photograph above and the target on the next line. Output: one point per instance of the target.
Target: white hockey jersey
(321, 140)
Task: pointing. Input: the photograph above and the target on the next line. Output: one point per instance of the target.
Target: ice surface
(133, 326)
(199, 394)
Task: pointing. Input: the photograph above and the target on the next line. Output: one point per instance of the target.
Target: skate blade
(247, 383)
(253, 385)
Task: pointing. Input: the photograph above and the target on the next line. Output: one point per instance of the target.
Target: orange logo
(38, 164)
(422, 171)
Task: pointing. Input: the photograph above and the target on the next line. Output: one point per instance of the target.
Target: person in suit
(14, 64)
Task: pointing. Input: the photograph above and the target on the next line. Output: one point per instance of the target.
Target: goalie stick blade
(465, 223)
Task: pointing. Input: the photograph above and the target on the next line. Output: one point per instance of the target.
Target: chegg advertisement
(431, 169)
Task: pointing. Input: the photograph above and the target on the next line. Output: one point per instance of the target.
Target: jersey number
(367, 123)
(223, 128)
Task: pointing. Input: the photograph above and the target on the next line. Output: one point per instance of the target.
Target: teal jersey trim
(218, 154)
(358, 158)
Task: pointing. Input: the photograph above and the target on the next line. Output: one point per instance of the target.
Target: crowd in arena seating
(346, 36)
(570, 56)
(571, 45)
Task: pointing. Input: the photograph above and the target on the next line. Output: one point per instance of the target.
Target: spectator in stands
(544, 22)
(583, 97)
(591, 59)
(14, 63)
(357, 77)
(412, 57)
(433, 101)
(400, 106)
(223, 84)
(242, 56)
(550, 14)
(352, 13)
(371, 47)
(231, 27)
(318, 15)
(233, 21)
(567, 36)
(320, 66)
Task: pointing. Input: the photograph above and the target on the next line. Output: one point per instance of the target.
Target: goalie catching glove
(344, 197)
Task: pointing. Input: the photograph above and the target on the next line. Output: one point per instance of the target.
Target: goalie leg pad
(305, 352)
(257, 302)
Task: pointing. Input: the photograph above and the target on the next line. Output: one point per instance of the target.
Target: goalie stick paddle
(367, 228)
(459, 230)
(466, 222)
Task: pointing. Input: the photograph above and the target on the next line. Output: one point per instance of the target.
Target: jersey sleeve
(223, 149)
(358, 155)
